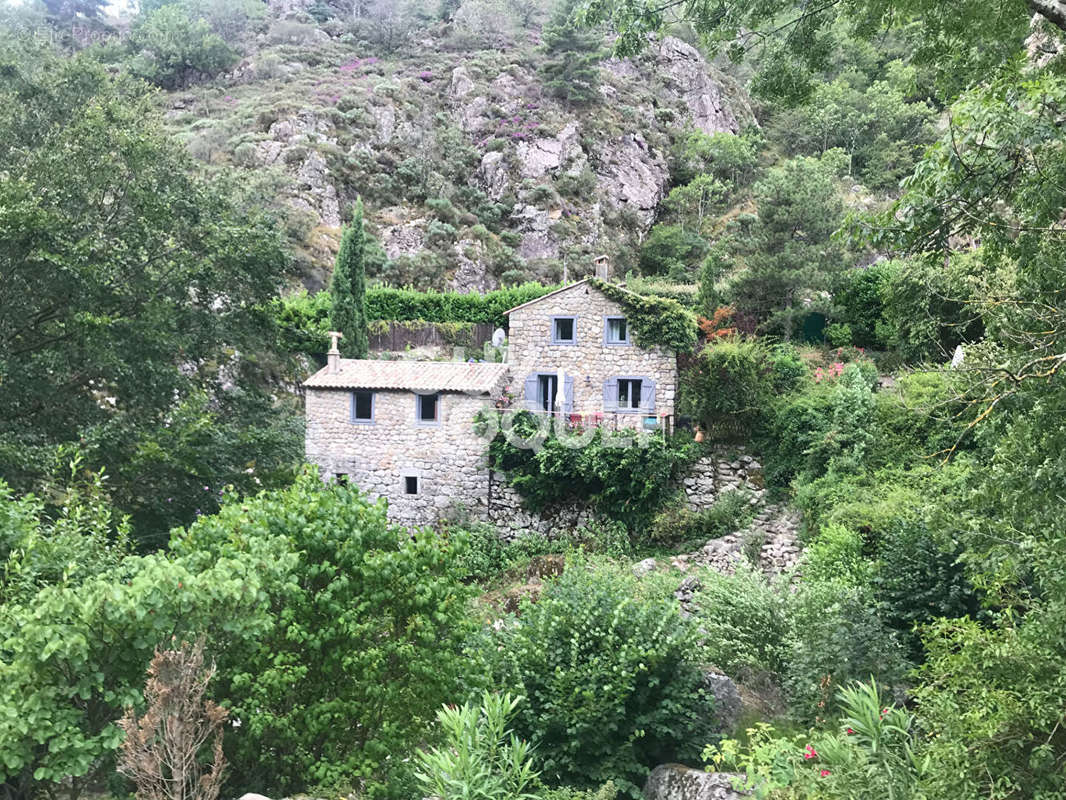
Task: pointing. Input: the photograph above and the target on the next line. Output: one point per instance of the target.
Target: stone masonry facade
(423, 470)
(448, 459)
(590, 363)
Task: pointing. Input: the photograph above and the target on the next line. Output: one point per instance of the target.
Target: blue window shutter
(568, 388)
(610, 394)
(531, 392)
(647, 394)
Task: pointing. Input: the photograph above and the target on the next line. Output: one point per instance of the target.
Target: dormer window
(564, 330)
(616, 330)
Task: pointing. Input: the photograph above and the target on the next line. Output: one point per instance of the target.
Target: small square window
(617, 330)
(427, 408)
(629, 393)
(564, 330)
(362, 406)
(410, 484)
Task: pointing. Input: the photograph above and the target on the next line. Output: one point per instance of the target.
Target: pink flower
(850, 731)
(824, 773)
(809, 752)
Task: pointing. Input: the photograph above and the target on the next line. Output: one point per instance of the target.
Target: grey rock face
(492, 174)
(678, 782)
(541, 156)
(727, 700)
(404, 240)
(635, 176)
(461, 83)
(687, 74)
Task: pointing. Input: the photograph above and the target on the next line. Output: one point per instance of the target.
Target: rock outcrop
(678, 782)
(687, 75)
(552, 179)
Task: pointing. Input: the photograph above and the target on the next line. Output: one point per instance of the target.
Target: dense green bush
(672, 251)
(836, 637)
(612, 679)
(727, 386)
(860, 301)
(175, 46)
(479, 754)
(746, 621)
(623, 479)
(372, 612)
(919, 577)
(678, 526)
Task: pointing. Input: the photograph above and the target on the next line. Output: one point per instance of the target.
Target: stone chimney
(333, 357)
(603, 267)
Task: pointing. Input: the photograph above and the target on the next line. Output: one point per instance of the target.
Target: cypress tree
(348, 289)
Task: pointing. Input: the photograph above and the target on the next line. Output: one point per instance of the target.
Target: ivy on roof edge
(655, 320)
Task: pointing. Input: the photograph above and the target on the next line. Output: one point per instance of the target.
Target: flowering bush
(871, 750)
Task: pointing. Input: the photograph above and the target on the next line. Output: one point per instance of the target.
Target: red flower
(809, 752)
(850, 731)
(824, 773)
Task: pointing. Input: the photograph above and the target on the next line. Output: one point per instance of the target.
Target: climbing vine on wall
(654, 320)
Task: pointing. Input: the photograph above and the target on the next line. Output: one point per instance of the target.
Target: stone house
(405, 430)
(579, 334)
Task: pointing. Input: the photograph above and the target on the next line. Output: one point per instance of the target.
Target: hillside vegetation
(846, 218)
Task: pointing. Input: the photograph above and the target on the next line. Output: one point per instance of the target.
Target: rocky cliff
(471, 171)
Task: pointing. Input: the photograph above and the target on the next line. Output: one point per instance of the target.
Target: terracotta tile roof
(415, 376)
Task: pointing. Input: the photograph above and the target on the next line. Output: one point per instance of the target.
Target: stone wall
(590, 362)
(448, 458)
(724, 470)
(511, 520)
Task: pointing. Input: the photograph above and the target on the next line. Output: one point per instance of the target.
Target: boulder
(642, 568)
(678, 782)
(727, 700)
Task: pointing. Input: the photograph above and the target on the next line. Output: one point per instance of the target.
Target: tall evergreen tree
(348, 288)
(571, 71)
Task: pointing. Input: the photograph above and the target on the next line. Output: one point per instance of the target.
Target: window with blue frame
(616, 330)
(427, 409)
(564, 330)
(363, 407)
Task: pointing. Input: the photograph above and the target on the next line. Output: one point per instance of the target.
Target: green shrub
(173, 46)
(837, 555)
(792, 425)
(860, 302)
(480, 758)
(612, 679)
(838, 334)
(919, 578)
(787, 369)
(670, 250)
(727, 386)
(871, 750)
(745, 622)
(836, 637)
(677, 525)
(374, 613)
